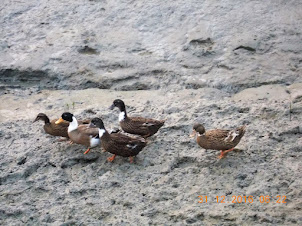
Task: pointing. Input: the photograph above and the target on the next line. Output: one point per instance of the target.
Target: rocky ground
(223, 64)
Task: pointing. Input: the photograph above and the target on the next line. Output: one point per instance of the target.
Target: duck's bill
(193, 134)
(60, 120)
(91, 125)
(111, 107)
(36, 119)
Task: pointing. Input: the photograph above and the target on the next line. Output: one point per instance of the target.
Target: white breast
(101, 132)
(121, 116)
(73, 125)
(94, 142)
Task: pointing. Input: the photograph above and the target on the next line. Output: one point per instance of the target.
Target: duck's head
(42, 117)
(198, 129)
(119, 104)
(66, 116)
(97, 122)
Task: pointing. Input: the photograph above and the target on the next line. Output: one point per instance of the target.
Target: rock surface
(223, 64)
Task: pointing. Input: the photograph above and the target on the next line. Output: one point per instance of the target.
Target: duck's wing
(219, 139)
(124, 139)
(84, 121)
(56, 129)
(219, 134)
(146, 122)
(86, 130)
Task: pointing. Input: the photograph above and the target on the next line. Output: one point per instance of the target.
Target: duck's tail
(242, 130)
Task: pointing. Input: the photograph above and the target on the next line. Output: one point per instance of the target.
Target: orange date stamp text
(279, 199)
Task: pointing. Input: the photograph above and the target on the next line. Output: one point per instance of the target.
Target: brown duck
(136, 125)
(51, 127)
(218, 139)
(54, 129)
(117, 143)
(80, 134)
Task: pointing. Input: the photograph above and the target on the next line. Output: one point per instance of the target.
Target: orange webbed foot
(131, 159)
(110, 159)
(224, 153)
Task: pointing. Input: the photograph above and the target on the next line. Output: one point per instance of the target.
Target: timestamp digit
(239, 200)
(234, 199)
(201, 199)
(263, 199)
(279, 199)
(250, 199)
(223, 198)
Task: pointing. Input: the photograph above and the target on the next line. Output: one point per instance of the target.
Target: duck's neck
(73, 125)
(123, 113)
(199, 137)
(103, 134)
(122, 116)
(46, 120)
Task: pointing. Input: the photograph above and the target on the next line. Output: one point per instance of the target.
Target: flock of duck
(92, 133)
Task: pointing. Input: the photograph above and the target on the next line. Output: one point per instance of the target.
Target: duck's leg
(131, 159)
(110, 159)
(224, 153)
(88, 150)
(70, 142)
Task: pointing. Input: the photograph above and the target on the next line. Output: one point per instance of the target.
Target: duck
(118, 143)
(83, 134)
(218, 139)
(50, 127)
(144, 127)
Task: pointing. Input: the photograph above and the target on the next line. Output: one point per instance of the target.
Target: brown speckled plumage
(137, 125)
(51, 128)
(218, 139)
(141, 126)
(83, 134)
(118, 143)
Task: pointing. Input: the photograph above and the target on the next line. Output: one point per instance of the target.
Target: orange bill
(60, 120)
(193, 134)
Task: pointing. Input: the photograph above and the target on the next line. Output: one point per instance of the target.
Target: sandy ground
(44, 181)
